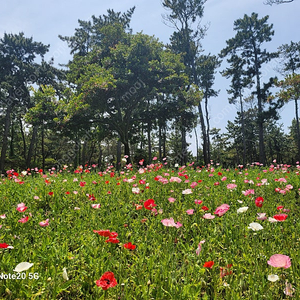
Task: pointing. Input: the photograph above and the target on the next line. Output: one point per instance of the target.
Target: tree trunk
(159, 142)
(260, 115)
(203, 130)
(207, 130)
(243, 131)
(119, 148)
(298, 128)
(183, 146)
(31, 146)
(23, 139)
(100, 156)
(5, 138)
(127, 150)
(43, 146)
(83, 154)
(197, 145)
(149, 142)
(164, 143)
(92, 153)
(11, 148)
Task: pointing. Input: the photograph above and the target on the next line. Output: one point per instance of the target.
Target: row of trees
(130, 92)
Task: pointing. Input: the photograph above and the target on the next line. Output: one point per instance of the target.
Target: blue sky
(45, 20)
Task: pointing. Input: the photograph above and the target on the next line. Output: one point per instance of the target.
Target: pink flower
(3, 216)
(223, 178)
(231, 186)
(21, 207)
(199, 247)
(279, 261)
(44, 223)
(190, 211)
(208, 216)
(172, 199)
(175, 179)
(198, 201)
(170, 223)
(289, 290)
(282, 180)
(193, 184)
(23, 220)
(248, 192)
(221, 210)
(96, 205)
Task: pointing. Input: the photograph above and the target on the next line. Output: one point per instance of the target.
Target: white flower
(187, 192)
(239, 201)
(65, 274)
(272, 220)
(124, 159)
(24, 173)
(23, 266)
(255, 226)
(273, 277)
(176, 165)
(135, 190)
(242, 209)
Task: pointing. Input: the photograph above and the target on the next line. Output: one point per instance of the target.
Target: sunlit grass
(164, 264)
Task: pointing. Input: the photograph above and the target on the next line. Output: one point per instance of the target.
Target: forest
(128, 94)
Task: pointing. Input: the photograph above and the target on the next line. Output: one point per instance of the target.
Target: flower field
(151, 232)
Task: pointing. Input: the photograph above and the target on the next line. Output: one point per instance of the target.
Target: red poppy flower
(129, 246)
(219, 173)
(67, 193)
(204, 208)
(259, 201)
(105, 233)
(82, 183)
(91, 197)
(113, 234)
(208, 264)
(280, 207)
(107, 280)
(22, 208)
(4, 245)
(149, 204)
(280, 217)
(112, 240)
(50, 193)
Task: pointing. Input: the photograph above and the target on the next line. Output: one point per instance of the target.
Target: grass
(164, 264)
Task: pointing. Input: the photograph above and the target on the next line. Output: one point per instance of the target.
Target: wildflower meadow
(150, 232)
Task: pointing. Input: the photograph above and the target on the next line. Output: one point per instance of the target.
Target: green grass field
(72, 244)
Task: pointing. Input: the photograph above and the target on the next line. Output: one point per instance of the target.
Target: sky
(45, 20)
